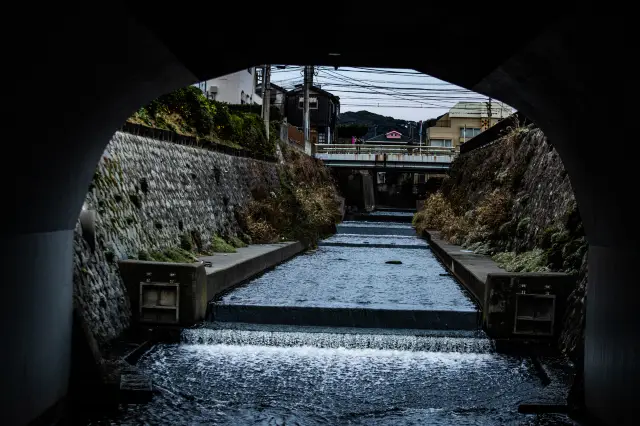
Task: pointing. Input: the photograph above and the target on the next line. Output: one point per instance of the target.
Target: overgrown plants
(188, 112)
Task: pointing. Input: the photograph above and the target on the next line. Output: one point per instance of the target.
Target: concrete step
(374, 245)
(345, 317)
(135, 387)
(379, 218)
(376, 230)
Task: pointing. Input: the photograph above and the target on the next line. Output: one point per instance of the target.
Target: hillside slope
(370, 119)
(513, 200)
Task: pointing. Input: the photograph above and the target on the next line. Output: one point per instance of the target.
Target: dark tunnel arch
(99, 69)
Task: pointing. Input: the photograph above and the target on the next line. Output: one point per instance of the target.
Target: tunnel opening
(517, 76)
(387, 197)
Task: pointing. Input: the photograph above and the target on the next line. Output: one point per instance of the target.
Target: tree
(349, 130)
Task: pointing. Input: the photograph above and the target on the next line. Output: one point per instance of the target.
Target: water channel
(239, 373)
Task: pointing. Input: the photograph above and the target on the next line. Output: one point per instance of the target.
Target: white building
(236, 88)
(463, 122)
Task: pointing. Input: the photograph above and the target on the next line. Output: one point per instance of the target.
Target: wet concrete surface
(352, 277)
(399, 240)
(232, 373)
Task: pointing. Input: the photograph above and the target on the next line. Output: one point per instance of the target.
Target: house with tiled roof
(393, 137)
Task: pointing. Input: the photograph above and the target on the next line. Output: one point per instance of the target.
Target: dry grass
(305, 209)
(493, 210)
(434, 215)
(475, 225)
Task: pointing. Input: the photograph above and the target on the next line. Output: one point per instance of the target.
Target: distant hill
(371, 120)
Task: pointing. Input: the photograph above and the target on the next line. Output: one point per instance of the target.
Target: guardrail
(382, 149)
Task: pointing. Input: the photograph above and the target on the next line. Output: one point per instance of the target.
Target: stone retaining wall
(146, 194)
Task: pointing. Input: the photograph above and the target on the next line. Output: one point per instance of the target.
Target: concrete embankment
(195, 284)
(227, 271)
(513, 304)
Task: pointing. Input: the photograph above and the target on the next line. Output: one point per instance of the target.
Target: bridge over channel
(386, 157)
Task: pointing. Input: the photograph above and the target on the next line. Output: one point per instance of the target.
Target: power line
(380, 71)
(372, 98)
(367, 88)
(391, 106)
(426, 89)
(394, 106)
(409, 83)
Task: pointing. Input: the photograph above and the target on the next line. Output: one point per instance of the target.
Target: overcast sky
(404, 94)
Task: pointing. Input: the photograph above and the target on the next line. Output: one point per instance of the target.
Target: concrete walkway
(230, 269)
(522, 303)
(470, 268)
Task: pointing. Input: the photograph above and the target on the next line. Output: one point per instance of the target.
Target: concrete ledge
(372, 230)
(542, 296)
(373, 245)
(227, 271)
(469, 268)
(346, 317)
(379, 218)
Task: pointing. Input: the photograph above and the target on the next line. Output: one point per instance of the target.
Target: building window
(469, 132)
(322, 138)
(442, 143)
(313, 102)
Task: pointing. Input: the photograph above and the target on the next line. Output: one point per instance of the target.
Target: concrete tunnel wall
(554, 80)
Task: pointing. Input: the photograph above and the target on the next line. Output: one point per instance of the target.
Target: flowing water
(357, 277)
(241, 374)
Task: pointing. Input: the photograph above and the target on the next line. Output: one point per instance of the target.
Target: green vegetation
(188, 112)
(175, 255)
(219, 245)
(371, 121)
(529, 261)
(186, 243)
(349, 130)
(496, 202)
(306, 208)
(236, 242)
(274, 113)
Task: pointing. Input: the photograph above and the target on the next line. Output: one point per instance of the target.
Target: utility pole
(266, 97)
(263, 92)
(489, 114)
(308, 80)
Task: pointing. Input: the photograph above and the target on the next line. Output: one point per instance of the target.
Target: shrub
(306, 207)
(188, 112)
(434, 215)
(185, 242)
(236, 242)
(218, 245)
(493, 210)
(529, 261)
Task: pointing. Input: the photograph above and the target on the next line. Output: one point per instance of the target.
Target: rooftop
(392, 137)
(479, 109)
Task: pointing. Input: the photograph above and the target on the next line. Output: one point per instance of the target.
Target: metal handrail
(382, 149)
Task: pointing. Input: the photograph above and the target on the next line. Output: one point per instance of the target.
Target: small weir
(338, 336)
(330, 339)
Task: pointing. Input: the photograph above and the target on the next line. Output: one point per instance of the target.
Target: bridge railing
(383, 149)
